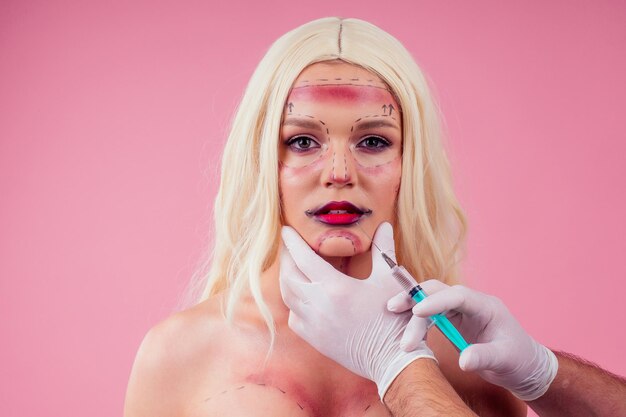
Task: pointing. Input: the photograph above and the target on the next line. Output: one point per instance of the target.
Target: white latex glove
(346, 319)
(502, 352)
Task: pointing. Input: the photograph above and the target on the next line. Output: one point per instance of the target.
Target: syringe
(417, 294)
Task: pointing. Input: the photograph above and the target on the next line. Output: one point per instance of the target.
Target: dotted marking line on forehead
(343, 84)
(371, 81)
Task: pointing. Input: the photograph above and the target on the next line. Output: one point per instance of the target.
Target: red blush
(343, 93)
(284, 383)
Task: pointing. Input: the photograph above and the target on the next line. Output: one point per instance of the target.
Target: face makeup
(340, 153)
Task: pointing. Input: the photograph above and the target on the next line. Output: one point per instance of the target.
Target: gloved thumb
(478, 357)
(383, 238)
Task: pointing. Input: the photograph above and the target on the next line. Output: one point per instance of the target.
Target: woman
(336, 133)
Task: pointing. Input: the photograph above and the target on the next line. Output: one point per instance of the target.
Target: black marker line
(356, 85)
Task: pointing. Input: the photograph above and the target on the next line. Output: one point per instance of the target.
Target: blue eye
(374, 143)
(302, 143)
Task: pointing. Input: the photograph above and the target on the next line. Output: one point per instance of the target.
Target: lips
(338, 213)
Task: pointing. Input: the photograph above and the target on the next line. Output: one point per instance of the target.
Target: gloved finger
(383, 240)
(400, 302)
(291, 295)
(383, 237)
(296, 324)
(414, 334)
(314, 267)
(432, 286)
(293, 284)
(457, 298)
(289, 269)
(478, 357)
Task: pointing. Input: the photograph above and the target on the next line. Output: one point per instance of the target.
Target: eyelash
(380, 140)
(291, 141)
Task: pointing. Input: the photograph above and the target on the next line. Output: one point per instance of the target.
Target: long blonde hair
(430, 227)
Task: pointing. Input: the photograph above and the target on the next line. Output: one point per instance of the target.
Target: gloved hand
(502, 353)
(346, 319)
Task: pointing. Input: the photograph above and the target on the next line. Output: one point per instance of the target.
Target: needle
(363, 230)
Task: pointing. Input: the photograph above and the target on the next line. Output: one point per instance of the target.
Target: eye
(374, 143)
(302, 143)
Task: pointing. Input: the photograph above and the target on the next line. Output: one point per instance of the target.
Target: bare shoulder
(484, 398)
(169, 355)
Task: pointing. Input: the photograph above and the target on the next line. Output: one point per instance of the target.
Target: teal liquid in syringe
(417, 294)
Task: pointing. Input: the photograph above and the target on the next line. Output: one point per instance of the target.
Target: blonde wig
(430, 224)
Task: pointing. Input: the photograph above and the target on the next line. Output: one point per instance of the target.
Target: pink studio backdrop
(113, 116)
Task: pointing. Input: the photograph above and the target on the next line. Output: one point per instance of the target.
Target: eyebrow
(309, 124)
(370, 124)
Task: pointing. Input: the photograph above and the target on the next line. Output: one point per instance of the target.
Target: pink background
(112, 120)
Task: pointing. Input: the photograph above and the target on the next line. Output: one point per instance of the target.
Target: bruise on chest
(320, 395)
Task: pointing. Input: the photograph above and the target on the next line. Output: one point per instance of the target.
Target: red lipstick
(338, 213)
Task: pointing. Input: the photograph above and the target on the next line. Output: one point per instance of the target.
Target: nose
(339, 169)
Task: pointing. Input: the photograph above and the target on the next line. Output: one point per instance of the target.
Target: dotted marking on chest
(269, 386)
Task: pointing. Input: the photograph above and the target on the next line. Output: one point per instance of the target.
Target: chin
(339, 244)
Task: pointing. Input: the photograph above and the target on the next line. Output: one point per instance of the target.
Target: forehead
(339, 81)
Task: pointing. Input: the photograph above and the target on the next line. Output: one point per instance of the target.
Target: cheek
(294, 185)
(384, 178)
(287, 173)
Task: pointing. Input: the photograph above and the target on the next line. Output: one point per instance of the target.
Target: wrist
(392, 371)
(538, 382)
(421, 387)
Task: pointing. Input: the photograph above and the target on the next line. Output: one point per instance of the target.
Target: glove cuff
(538, 383)
(392, 372)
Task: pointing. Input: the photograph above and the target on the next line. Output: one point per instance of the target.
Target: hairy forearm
(582, 389)
(422, 390)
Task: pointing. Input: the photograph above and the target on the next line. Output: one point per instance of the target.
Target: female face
(340, 153)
